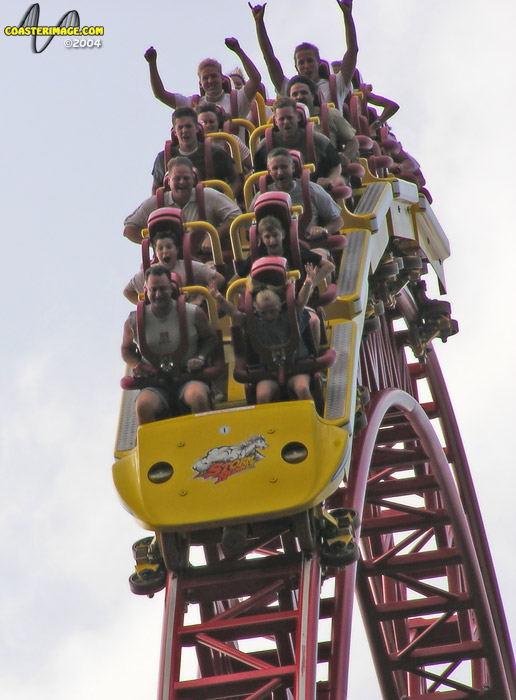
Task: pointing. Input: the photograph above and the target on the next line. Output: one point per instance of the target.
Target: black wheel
(412, 262)
(386, 270)
(148, 582)
(436, 307)
(340, 555)
(343, 513)
(360, 421)
(145, 542)
(371, 325)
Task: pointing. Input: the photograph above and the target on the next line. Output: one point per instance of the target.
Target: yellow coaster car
(229, 466)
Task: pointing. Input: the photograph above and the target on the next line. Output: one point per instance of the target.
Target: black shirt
(223, 164)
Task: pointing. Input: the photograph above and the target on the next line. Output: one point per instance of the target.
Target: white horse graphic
(230, 453)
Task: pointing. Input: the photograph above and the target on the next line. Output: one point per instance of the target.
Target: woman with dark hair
(168, 249)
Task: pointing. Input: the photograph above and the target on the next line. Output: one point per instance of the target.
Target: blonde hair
(267, 295)
(209, 63)
(255, 287)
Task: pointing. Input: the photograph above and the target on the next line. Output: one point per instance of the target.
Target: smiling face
(237, 81)
(209, 121)
(281, 169)
(181, 183)
(159, 292)
(307, 64)
(301, 93)
(166, 252)
(211, 82)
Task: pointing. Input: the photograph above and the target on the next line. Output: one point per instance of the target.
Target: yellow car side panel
(228, 466)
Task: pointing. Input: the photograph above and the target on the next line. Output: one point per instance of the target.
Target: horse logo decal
(219, 463)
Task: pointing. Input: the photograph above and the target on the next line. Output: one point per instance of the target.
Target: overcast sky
(80, 130)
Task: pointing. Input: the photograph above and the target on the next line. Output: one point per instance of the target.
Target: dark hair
(306, 46)
(283, 102)
(280, 151)
(184, 112)
(174, 237)
(214, 109)
(157, 270)
(306, 81)
(266, 224)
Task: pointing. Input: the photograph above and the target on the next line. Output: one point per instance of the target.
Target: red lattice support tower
(425, 582)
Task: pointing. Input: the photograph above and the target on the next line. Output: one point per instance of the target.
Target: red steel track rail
(425, 582)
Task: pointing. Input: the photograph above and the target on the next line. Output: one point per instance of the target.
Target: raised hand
(232, 43)
(151, 55)
(346, 6)
(310, 272)
(258, 11)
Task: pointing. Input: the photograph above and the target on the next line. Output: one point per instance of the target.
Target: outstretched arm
(389, 106)
(307, 289)
(272, 63)
(324, 269)
(331, 228)
(224, 305)
(168, 98)
(349, 60)
(255, 78)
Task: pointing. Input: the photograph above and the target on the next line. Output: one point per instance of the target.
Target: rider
(162, 334)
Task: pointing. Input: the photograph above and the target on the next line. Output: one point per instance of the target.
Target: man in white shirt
(219, 209)
(308, 61)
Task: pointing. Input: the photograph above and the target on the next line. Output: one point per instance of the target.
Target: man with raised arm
(326, 220)
(162, 335)
(220, 210)
(307, 59)
(292, 136)
(211, 83)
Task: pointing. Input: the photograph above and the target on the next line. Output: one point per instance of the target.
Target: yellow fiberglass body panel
(254, 463)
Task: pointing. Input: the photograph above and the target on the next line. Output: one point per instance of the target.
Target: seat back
(255, 360)
(171, 220)
(279, 205)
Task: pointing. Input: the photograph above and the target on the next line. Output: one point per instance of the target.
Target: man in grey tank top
(162, 336)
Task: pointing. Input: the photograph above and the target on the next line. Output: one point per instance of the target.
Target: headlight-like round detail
(160, 472)
(294, 452)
